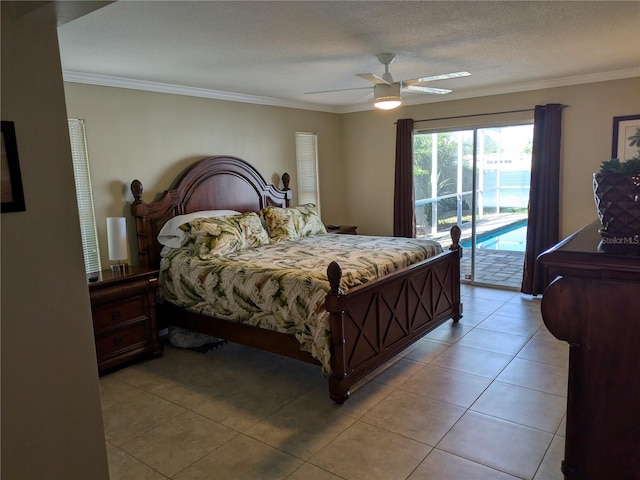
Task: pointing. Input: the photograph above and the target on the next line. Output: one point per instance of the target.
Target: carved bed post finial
(455, 238)
(136, 189)
(334, 274)
(285, 186)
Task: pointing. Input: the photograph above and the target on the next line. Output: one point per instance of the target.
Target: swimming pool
(512, 238)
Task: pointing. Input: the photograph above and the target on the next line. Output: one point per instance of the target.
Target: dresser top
(588, 251)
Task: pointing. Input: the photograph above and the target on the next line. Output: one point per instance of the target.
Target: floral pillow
(222, 235)
(295, 222)
(171, 235)
(253, 233)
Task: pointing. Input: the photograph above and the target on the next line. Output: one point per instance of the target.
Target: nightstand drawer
(109, 315)
(121, 339)
(104, 295)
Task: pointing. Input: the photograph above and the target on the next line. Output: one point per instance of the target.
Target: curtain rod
(479, 114)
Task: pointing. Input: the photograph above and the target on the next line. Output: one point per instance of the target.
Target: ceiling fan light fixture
(388, 103)
(387, 97)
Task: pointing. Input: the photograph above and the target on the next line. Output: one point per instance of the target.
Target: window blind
(307, 163)
(84, 195)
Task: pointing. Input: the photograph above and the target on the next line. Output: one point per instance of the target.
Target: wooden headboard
(214, 183)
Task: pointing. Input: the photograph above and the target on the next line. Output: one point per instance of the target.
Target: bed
(367, 324)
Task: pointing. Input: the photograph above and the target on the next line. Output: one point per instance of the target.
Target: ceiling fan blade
(417, 88)
(339, 90)
(433, 78)
(373, 78)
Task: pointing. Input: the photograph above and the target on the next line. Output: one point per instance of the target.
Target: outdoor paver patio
(493, 267)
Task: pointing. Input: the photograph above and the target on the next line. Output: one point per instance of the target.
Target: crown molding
(129, 83)
(120, 82)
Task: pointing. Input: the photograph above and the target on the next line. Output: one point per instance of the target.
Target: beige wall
(369, 146)
(154, 136)
(51, 417)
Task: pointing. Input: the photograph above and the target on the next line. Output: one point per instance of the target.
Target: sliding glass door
(478, 179)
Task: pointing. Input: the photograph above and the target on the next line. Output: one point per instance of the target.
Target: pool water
(512, 238)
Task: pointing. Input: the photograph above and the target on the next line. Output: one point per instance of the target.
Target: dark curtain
(544, 198)
(404, 217)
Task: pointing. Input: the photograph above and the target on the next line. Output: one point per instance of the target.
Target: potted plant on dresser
(617, 194)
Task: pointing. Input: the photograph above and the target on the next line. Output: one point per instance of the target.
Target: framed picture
(11, 187)
(623, 129)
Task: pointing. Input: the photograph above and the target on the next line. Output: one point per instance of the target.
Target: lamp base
(119, 268)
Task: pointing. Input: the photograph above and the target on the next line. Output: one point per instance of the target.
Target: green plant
(628, 167)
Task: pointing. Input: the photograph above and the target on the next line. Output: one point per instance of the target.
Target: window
(84, 195)
(488, 167)
(307, 163)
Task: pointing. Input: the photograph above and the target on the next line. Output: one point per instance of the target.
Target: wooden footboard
(375, 321)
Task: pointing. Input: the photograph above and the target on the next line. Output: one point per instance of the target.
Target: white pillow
(171, 236)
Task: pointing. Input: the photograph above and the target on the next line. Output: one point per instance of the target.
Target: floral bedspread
(282, 286)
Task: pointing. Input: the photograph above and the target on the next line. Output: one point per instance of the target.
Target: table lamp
(117, 242)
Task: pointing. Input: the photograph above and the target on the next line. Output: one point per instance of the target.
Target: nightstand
(342, 229)
(124, 316)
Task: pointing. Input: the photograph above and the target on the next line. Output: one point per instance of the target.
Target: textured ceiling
(274, 52)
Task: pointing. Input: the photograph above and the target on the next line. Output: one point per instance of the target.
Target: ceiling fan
(387, 92)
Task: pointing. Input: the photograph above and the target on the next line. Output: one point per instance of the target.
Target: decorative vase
(617, 197)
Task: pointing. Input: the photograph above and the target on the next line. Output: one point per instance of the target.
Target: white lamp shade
(117, 238)
(387, 97)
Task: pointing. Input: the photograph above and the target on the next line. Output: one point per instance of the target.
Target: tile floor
(481, 399)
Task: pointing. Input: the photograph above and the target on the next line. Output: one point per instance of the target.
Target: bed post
(139, 210)
(338, 379)
(455, 246)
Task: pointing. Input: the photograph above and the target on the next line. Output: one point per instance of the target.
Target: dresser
(342, 229)
(124, 316)
(594, 305)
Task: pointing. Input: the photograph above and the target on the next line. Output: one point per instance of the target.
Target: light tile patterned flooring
(481, 399)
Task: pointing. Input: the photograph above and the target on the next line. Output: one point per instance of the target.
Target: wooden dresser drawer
(121, 339)
(109, 315)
